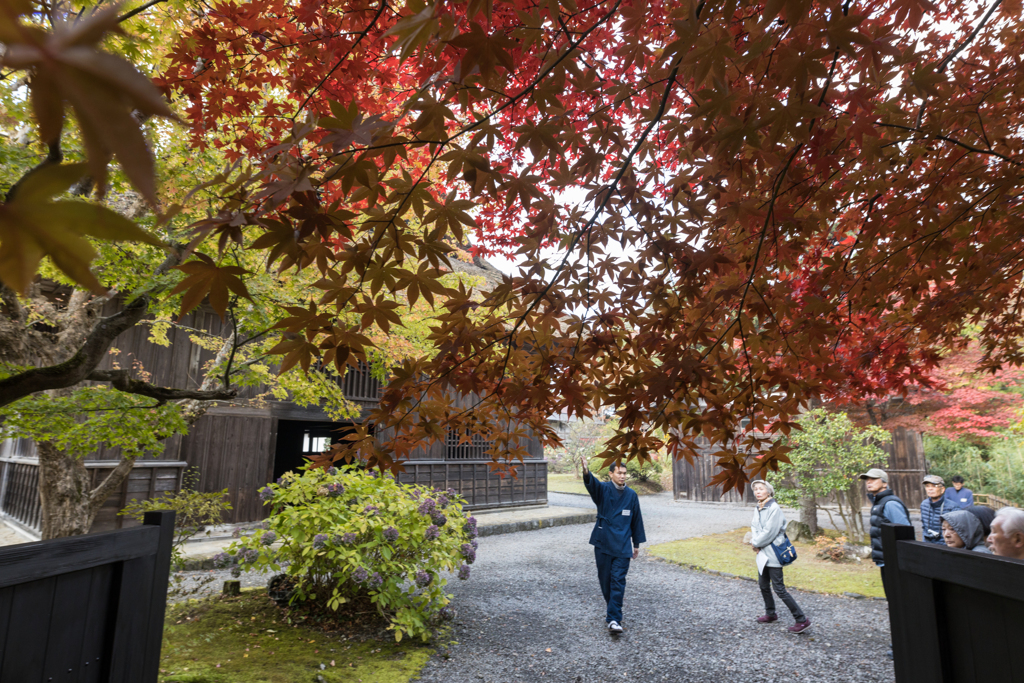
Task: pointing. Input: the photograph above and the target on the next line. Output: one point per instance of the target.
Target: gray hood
(967, 527)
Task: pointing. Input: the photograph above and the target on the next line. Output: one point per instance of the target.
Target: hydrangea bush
(345, 533)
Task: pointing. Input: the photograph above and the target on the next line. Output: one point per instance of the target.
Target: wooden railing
(19, 489)
(86, 608)
(992, 501)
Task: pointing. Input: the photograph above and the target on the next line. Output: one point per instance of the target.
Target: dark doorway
(297, 440)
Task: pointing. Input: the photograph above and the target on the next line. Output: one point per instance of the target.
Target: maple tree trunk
(809, 513)
(67, 502)
(64, 489)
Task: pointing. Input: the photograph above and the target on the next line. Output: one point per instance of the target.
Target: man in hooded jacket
(618, 522)
(962, 529)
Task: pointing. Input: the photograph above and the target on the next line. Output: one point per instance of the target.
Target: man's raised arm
(594, 487)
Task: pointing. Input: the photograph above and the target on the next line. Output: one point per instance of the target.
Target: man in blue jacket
(618, 522)
(933, 507)
(959, 495)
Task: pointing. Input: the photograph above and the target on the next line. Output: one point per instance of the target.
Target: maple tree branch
(122, 381)
(341, 60)
(939, 136)
(969, 39)
(78, 367)
(957, 50)
(138, 10)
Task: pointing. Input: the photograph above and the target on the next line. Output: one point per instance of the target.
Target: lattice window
(457, 449)
(358, 383)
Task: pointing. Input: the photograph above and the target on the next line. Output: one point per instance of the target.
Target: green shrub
(347, 534)
(195, 511)
(637, 471)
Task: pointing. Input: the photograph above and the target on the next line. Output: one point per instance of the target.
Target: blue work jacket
(618, 518)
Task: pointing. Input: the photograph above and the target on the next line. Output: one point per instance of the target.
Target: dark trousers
(611, 572)
(773, 575)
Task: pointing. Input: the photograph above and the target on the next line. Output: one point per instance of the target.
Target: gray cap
(934, 479)
(875, 473)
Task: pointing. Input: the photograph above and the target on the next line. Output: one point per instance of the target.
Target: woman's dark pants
(773, 575)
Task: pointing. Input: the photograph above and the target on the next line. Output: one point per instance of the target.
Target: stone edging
(205, 562)
(532, 524)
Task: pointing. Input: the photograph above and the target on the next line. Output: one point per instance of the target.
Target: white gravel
(538, 590)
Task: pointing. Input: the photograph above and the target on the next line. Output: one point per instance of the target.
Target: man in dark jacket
(933, 507)
(618, 522)
(886, 507)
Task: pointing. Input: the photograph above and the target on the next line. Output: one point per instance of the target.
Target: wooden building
(906, 466)
(242, 448)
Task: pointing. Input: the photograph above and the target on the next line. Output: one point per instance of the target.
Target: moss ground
(569, 483)
(727, 553)
(246, 639)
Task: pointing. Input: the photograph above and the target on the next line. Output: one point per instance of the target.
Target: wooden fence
(992, 501)
(19, 490)
(956, 616)
(86, 609)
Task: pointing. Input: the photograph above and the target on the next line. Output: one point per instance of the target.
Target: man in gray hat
(886, 507)
(933, 507)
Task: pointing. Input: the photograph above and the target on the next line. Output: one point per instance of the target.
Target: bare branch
(122, 381)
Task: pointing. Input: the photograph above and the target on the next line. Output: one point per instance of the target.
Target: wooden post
(164, 519)
(918, 652)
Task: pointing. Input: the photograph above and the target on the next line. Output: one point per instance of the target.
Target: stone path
(532, 611)
(8, 536)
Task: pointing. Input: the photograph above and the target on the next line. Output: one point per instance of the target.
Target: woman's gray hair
(1013, 520)
(762, 482)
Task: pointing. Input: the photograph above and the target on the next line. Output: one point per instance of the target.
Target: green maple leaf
(32, 227)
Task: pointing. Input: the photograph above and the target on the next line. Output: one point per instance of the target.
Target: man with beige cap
(933, 507)
(886, 507)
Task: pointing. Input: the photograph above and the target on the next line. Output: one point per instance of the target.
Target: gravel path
(535, 591)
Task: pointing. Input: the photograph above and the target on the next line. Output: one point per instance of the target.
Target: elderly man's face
(1005, 545)
(874, 485)
(934, 491)
(951, 537)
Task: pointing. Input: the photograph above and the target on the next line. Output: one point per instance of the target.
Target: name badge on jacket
(625, 513)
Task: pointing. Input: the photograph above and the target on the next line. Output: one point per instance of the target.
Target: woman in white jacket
(767, 530)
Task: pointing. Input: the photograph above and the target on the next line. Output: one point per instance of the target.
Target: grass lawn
(565, 483)
(568, 483)
(245, 639)
(727, 553)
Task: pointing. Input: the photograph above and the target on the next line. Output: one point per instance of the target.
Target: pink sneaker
(767, 618)
(800, 626)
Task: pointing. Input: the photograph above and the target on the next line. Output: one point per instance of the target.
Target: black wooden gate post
(158, 595)
(86, 609)
(899, 622)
